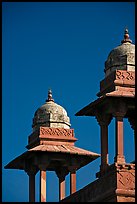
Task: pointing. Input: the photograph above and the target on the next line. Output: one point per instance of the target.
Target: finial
(50, 96)
(126, 37)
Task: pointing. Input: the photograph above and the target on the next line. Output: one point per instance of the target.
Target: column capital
(43, 167)
(30, 172)
(119, 115)
(30, 169)
(61, 172)
(72, 169)
(103, 118)
(43, 162)
(119, 109)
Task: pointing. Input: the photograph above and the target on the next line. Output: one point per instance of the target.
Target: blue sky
(62, 46)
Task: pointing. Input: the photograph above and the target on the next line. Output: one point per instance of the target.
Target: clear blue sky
(62, 46)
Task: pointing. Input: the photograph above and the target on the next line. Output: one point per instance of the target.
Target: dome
(121, 57)
(51, 114)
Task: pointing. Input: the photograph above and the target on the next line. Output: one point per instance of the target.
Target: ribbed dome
(121, 57)
(51, 114)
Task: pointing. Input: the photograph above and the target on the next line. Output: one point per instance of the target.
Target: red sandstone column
(31, 187)
(104, 146)
(72, 181)
(61, 188)
(103, 120)
(31, 171)
(42, 186)
(61, 173)
(119, 157)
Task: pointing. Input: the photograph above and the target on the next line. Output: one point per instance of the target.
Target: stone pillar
(43, 164)
(61, 187)
(119, 111)
(103, 120)
(31, 171)
(119, 154)
(61, 173)
(72, 180)
(42, 186)
(104, 146)
(31, 186)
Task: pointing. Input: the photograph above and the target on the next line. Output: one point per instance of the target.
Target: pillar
(61, 173)
(103, 120)
(31, 186)
(31, 171)
(44, 162)
(119, 154)
(72, 181)
(61, 188)
(119, 111)
(42, 186)
(104, 145)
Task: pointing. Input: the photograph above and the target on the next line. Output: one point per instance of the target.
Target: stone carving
(126, 180)
(129, 76)
(56, 132)
(124, 75)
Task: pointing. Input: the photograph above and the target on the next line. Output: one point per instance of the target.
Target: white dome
(121, 57)
(51, 114)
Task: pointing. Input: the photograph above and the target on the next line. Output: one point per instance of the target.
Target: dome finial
(50, 96)
(126, 37)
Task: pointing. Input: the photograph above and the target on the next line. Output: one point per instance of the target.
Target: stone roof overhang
(107, 101)
(54, 157)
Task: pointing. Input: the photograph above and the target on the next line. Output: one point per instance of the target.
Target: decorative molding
(126, 180)
(122, 78)
(121, 74)
(56, 132)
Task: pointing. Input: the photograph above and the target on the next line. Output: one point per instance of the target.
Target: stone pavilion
(51, 147)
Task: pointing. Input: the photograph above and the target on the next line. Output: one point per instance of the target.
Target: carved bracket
(61, 173)
(43, 162)
(119, 108)
(30, 169)
(102, 118)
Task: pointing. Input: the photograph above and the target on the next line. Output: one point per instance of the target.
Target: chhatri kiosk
(51, 147)
(116, 99)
